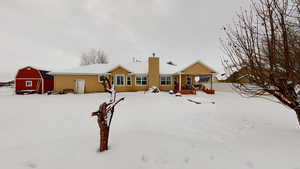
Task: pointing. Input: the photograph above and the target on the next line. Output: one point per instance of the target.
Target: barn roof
(45, 75)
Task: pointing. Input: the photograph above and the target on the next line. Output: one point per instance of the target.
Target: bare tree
(101, 57)
(94, 56)
(264, 46)
(84, 59)
(105, 113)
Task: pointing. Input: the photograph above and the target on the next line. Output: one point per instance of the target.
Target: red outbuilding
(32, 80)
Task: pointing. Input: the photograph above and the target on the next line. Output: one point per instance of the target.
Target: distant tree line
(94, 56)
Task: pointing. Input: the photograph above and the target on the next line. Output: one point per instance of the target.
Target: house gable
(119, 70)
(198, 68)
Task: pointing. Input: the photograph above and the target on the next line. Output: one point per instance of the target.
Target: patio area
(190, 83)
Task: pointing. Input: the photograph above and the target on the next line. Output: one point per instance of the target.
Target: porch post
(211, 81)
(180, 81)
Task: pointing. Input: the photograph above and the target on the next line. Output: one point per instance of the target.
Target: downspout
(180, 81)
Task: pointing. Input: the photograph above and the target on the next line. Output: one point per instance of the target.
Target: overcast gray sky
(54, 33)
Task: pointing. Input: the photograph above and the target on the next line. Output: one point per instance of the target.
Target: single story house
(135, 76)
(33, 80)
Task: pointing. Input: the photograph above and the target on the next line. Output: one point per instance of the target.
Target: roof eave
(64, 73)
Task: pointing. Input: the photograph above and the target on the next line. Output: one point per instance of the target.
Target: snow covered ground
(149, 131)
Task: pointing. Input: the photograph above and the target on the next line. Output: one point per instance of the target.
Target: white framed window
(28, 83)
(120, 80)
(141, 80)
(165, 80)
(189, 80)
(128, 80)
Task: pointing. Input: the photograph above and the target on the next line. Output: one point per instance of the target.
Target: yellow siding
(198, 69)
(126, 88)
(62, 82)
(153, 71)
(138, 88)
(120, 71)
(166, 88)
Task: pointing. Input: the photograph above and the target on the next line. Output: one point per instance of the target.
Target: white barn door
(79, 86)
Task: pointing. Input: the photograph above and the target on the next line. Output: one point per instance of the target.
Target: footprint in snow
(249, 164)
(161, 161)
(30, 164)
(186, 160)
(144, 158)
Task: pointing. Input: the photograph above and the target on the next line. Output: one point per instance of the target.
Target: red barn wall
(31, 74)
(48, 85)
(21, 84)
(28, 74)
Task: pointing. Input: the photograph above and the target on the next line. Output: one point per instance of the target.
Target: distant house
(135, 76)
(32, 80)
(6, 79)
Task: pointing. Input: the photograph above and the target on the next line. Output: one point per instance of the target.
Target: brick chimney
(153, 71)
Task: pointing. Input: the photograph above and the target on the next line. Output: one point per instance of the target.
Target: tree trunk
(104, 134)
(297, 110)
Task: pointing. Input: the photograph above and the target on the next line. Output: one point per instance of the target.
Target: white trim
(142, 80)
(43, 86)
(30, 82)
(127, 80)
(171, 79)
(76, 86)
(121, 67)
(40, 73)
(28, 78)
(115, 79)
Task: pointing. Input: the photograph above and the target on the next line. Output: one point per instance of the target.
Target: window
(28, 83)
(165, 80)
(120, 80)
(204, 78)
(189, 80)
(128, 80)
(141, 80)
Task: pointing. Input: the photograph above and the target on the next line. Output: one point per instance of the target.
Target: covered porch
(191, 83)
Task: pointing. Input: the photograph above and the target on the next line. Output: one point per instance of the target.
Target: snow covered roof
(132, 67)
(136, 67)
